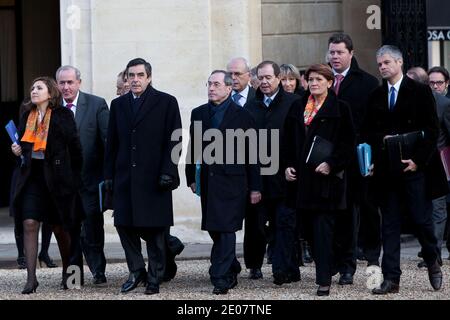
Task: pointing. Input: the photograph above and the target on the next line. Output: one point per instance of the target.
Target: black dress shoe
(435, 275)
(151, 289)
(280, 278)
(346, 278)
(234, 282)
(323, 291)
(294, 277)
(220, 290)
(22, 263)
(386, 287)
(255, 274)
(99, 279)
(30, 288)
(134, 280)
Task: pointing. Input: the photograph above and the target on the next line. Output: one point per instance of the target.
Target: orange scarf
(36, 132)
(311, 110)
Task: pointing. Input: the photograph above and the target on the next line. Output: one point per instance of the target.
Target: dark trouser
(130, 237)
(255, 236)
(324, 226)
(224, 265)
(93, 241)
(369, 235)
(439, 218)
(346, 239)
(409, 190)
(285, 259)
(76, 254)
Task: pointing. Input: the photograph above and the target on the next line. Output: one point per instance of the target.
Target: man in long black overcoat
(139, 165)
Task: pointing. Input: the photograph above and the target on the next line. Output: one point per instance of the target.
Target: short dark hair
(342, 37)
(441, 70)
(53, 91)
(322, 69)
(276, 67)
(139, 61)
(227, 79)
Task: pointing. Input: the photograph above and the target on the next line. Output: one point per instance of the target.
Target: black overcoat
(138, 151)
(62, 166)
(272, 118)
(224, 187)
(415, 110)
(314, 191)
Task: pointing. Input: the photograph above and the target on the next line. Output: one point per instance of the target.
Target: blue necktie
(236, 97)
(268, 102)
(392, 99)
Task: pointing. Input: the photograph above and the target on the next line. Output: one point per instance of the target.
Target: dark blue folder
(12, 131)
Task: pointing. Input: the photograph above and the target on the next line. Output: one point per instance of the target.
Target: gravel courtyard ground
(192, 283)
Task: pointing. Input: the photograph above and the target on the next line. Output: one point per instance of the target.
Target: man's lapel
(81, 111)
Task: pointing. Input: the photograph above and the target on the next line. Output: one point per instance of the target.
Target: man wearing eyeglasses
(438, 80)
(239, 68)
(226, 186)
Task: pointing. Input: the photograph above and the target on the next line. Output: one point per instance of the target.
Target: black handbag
(402, 147)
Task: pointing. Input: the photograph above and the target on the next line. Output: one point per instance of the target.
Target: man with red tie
(353, 85)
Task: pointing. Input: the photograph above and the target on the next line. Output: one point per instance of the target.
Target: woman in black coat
(318, 190)
(47, 183)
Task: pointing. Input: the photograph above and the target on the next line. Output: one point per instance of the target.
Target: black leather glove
(167, 182)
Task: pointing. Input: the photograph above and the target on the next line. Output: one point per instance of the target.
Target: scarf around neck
(37, 132)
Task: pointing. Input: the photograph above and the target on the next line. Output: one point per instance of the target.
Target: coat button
(134, 131)
(211, 174)
(134, 165)
(134, 147)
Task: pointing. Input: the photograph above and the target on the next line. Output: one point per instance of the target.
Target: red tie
(70, 105)
(339, 78)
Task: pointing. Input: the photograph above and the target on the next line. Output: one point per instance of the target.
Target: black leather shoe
(323, 291)
(435, 275)
(151, 289)
(280, 278)
(30, 288)
(134, 280)
(422, 264)
(386, 287)
(21, 263)
(294, 277)
(346, 278)
(99, 279)
(255, 274)
(220, 290)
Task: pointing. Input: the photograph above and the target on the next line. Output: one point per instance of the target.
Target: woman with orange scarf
(318, 188)
(47, 185)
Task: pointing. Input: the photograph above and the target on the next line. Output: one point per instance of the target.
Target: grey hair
(227, 79)
(289, 70)
(67, 67)
(245, 61)
(393, 51)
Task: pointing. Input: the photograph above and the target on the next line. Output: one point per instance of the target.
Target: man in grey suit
(91, 116)
(239, 68)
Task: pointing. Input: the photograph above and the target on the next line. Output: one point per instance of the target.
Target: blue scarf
(217, 112)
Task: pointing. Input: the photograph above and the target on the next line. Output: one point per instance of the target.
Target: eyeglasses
(436, 83)
(238, 74)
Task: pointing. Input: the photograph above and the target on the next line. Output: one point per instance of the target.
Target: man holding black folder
(403, 106)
